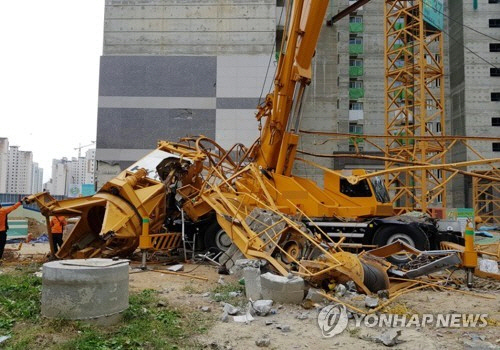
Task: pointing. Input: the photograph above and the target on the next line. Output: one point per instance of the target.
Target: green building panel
(355, 71)
(356, 27)
(355, 49)
(356, 93)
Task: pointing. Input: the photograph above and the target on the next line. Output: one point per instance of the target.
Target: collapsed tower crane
(249, 196)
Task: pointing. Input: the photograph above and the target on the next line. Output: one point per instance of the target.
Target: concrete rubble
(313, 294)
(230, 309)
(241, 264)
(371, 302)
(340, 290)
(224, 317)
(253, 289)
(284, 328)
(262, 307)
(176, 268)
(246, 318)
(263, 342)
(280, 289)
(389, 338)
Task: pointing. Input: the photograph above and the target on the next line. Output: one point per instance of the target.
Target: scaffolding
(487, 197)
(414, 90)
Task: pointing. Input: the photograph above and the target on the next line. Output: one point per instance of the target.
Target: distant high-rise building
(59, 180)
(4, 161)
(19, 171)
(69, 175)
(36, 179)
(90, 166)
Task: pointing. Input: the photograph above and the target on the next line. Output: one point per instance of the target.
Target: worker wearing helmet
(3, 224)
(57, 224)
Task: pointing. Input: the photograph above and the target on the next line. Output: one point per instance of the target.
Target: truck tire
(216, 239)
(409, 235)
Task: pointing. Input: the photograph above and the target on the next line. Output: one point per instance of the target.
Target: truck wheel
(216, 238)
(409, 235)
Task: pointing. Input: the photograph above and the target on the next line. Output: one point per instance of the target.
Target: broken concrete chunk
(221, 281)
(282, 289)
(389, 338)
(262, 307)
(351, 286)
(176, 268)
(263, 342)
(247, 318)
(253, 289)
(487, 265)
(205, 295)
(284, 328)
(230, 309)
(340, 290)
(314, 296)
(234, 294)
(206, 309)
(225, 317)
(241, 264)
(371, 302)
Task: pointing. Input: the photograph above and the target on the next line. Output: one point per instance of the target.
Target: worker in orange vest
(3, 224)
(57, 224)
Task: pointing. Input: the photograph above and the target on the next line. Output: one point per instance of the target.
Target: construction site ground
(191, 295)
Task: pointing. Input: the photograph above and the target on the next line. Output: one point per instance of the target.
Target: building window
(356, 84)
(495, 146)
(493, 1)
(430, 104)
(494, 23)
(355, 62)
(355, 106)
(495, 96)
(494, 47)
(439, 198)
(352, 148)
(355, 129)
(355, 19)
(438, 126)
(356, 41)
(495, 72)
(495, 121)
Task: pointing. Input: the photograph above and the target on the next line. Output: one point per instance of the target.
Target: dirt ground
(191, 294)
(305, 334)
